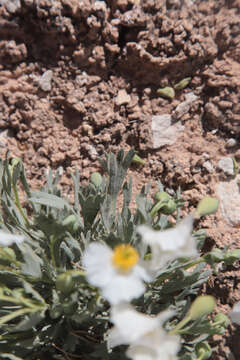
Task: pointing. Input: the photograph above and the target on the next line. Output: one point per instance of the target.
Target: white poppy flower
(145, 335)
(116, 272)
(235, 313)
(169, 244)
(7, 239)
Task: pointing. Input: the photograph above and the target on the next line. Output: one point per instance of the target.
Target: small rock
(4, 136)
(208, 166)
(231, 142)
(11, 5)
(122, 98)
(92, 152)
(229, 195)
(164, 133)
(184, 106)
(45, 81)
(226, 165)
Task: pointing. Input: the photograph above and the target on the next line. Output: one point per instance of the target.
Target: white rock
(11, 5)
(4, 136)
(208, 166)
(45, 80)
(92, 151)
(183, 107)
(122, 97)
(164, 133)
(228, 192)
(226, 165)
(231, 142)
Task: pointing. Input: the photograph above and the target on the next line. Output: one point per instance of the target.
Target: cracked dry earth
(78, 78)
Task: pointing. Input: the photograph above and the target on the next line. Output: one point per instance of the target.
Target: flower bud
(136, 159)
(221, 320)
(65, 283)
(167, 92)
(96, 179)
(203, 350)
(69, 220)
(169, 208)
(207, 206)
(203, 305)
(214, 256)
(182, 84)
(162, 196)
(231, 256)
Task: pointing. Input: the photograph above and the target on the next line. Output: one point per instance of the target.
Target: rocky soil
(80, 77)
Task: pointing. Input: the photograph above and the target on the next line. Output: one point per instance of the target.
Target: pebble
(231, 142)
(122, 98)
(228, 192)
(184, 106)
(164, 133)
(11, 5)
(45, 81)
(208, 166)
(226, 165)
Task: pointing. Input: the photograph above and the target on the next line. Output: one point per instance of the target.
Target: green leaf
(207, 206)
(40, 197)
(32, 262)
(10, 357)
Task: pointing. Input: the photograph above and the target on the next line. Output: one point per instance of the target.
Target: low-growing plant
(53, 302)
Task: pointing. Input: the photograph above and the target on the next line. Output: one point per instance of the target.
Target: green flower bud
(96, 179)
(162, 196)
(167, 92)
(203, 305)
(207, 206)
(65, 283)
(69, 220)
(203, 350)
(221, 320)
(182, 84)
(136, 159)
(231, 256)
(214, 256)
(169, 208)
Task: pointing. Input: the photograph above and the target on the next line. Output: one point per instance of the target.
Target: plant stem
(19, 205)
(180, 325)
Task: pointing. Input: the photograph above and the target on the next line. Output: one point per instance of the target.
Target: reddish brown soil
(94, 50)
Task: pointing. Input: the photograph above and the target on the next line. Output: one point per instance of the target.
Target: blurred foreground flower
(235, 313)
(7, 239)
(116, 272)
(145, 335)
(169, 244)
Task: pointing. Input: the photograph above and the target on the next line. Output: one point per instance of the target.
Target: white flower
(116, 272)
(145, 335)
(235, 313)
(168, 245)
(7, 239)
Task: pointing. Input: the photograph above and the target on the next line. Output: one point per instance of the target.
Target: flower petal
(97, 261)
(124, 287)
(130, 325)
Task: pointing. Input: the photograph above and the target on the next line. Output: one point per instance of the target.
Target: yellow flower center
(125, 257)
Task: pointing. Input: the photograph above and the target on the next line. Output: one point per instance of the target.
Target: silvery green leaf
(32, 262)
(40, 197)
(10, 356)
(29, 322)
